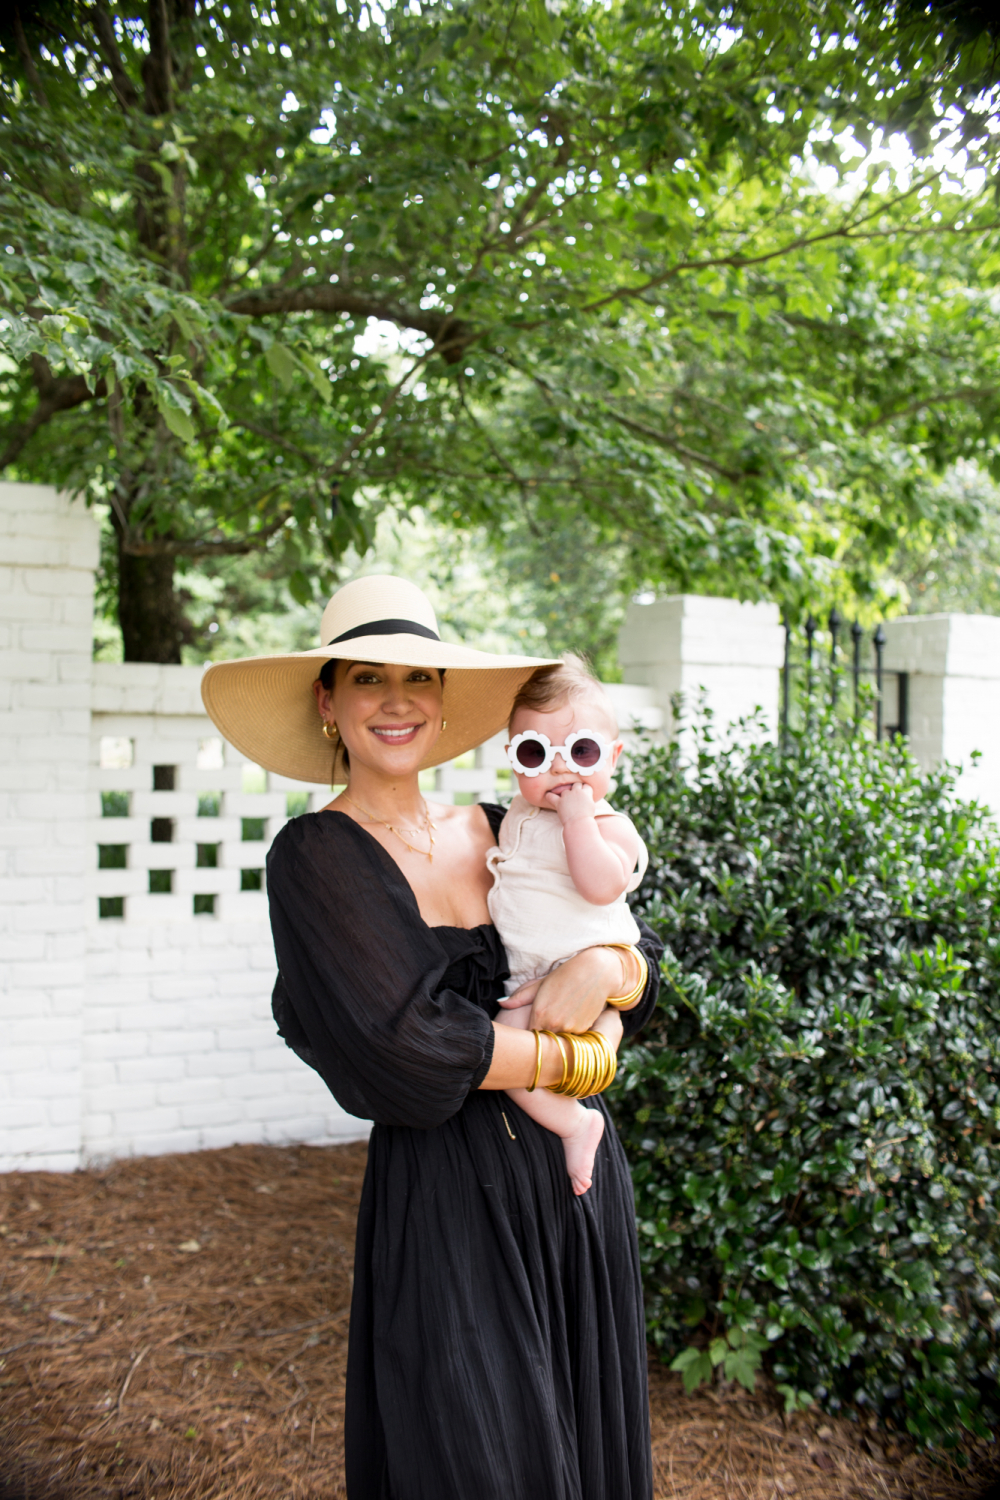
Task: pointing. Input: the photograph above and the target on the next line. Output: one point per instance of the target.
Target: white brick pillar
(48, 553)
(688, 642)
(953, 665)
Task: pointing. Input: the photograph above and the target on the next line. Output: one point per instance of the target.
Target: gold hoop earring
(330, 730)
(444, 725)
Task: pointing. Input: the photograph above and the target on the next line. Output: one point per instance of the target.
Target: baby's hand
(524, 996)
(576, 802)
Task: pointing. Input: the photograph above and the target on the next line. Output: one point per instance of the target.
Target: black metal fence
(833, 663)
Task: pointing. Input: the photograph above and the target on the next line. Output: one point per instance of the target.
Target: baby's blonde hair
(569, 681)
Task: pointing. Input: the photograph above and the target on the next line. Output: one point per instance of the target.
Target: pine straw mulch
(176, 1327)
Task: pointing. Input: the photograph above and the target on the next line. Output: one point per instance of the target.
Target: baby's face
(578, 717)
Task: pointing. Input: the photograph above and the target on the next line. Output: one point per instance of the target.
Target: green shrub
(812, 1115)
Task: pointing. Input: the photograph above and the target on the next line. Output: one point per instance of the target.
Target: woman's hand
(573, 996)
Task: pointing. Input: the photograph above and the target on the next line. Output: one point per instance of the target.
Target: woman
(497, 1345)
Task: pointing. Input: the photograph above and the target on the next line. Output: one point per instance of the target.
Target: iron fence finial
(878, 640)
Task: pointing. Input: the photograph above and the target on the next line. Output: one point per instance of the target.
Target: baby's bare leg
(579, 1129)
(607, 1025)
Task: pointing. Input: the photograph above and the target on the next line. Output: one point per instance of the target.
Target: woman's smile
(396, 734)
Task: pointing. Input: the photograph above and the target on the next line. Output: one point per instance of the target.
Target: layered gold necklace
(428, 828)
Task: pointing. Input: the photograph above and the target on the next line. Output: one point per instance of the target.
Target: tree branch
(125, 90)
(156, 68)
(851, 229)
(701, 459)
(357, 441)
(523, 485)
(961, 393)
(449, 333)
(527, 207)
(273, 437)
(200, 547)
(29, 62)
(53, 396)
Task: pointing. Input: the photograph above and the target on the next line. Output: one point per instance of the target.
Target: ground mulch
(176, 1326)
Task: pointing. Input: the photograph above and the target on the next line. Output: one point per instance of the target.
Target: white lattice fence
(181, 823)
(179, 1049)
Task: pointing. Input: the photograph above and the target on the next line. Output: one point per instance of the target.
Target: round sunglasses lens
(530, 754)
(586, 753)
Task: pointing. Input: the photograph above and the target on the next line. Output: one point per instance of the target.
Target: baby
(563, 865)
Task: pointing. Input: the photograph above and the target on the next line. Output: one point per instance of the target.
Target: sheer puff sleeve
(358, 994)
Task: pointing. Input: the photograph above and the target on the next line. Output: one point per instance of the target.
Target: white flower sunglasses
(532, 753)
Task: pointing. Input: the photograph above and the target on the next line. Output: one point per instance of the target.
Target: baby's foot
(581, 1148)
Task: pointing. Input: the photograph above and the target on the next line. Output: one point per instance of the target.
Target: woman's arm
(515, 1058)
(574, 996)
(360, 997)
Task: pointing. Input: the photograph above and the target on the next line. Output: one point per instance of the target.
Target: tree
(958, 569)
(798, 422)
(201, 205)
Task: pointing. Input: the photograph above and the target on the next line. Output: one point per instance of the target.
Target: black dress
(497, 1341)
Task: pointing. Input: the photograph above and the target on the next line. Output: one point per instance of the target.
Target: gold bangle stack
(538, 1062)
(594, 1063)
(619, 1002)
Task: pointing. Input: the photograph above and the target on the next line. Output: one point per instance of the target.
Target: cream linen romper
(540, 915)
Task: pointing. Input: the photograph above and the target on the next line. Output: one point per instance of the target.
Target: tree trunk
(148, 608)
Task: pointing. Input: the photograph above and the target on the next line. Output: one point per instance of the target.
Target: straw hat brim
(264, 706)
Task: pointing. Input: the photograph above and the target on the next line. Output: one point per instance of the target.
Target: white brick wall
(179, 1048)
(687, 643)
(953, 662)
(48, 552)
(149, 1032)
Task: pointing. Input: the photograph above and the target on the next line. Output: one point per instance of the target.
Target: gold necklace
(428, 828)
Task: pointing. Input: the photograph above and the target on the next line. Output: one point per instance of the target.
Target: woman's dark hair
(327, 675)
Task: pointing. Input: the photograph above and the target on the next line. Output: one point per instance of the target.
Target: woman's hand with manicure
(574, 995)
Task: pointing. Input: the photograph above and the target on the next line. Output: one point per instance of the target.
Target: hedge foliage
(812, 1115)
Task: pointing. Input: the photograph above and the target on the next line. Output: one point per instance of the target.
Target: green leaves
(673, 338)
(794, 1400)
(812, 1118)
(281, 362)
(742, 1359)
(739, 1354)
(695, 1366)
(178, 421)
(300, 587)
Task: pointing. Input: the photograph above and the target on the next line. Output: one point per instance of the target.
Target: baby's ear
(616, 750)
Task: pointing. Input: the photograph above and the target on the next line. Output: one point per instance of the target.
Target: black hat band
(386, 627)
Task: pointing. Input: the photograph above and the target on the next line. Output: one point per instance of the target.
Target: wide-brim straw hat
(264, 705)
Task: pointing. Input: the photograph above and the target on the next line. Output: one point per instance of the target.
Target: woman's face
(389, 717)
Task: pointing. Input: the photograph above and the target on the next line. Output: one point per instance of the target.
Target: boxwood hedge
(812, 1116)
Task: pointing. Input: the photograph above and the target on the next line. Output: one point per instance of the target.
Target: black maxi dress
(497, 1340)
